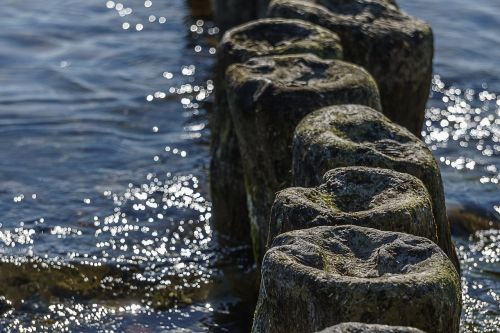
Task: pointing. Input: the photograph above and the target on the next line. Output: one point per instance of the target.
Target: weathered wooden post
(394, 47)
(369, 197)
(230, 13)
(369, 328)
(268, 97)
(355, 135)
(323, 276)
(257, 38)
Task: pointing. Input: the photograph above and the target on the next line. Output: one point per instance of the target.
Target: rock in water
(257, 38)
(355, 135)
(367, 328)
(395, 48)
(268, 97)
(323, 276)
(370, 197)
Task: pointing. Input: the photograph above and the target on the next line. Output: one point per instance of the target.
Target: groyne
(317, 162)
(255, 39)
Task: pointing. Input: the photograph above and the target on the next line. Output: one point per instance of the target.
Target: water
(105, 221)
(463, 130)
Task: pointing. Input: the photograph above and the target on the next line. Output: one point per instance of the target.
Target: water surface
(105, 222)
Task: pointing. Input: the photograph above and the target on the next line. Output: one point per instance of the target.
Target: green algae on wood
(355, 135)
(268, 96)
(394, 47)
(257, 38)
(371, 197)
(323, 276)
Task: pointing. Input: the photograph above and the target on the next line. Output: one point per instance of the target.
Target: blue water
(104, 143)
(463, 125)
(463, 130)
(104, 156)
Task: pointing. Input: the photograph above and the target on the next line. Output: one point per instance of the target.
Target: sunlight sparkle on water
(459, 119)
(463, 118)
(129, 252)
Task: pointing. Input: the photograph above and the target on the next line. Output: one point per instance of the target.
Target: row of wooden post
(317, 163)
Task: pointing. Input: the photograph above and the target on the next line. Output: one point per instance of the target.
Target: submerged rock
(367, 328)
(323, 276)
(254, 39)
(46, 281)
(467, 219)
(355, 135)
(395, 48)
(268, 97)
(377, 198)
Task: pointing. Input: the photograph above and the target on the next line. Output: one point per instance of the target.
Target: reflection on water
(105, 222)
